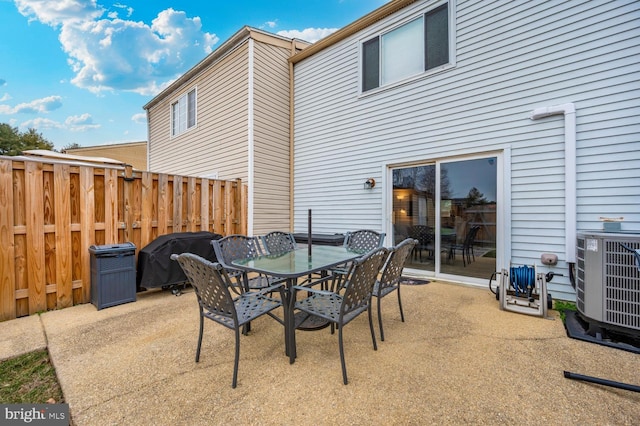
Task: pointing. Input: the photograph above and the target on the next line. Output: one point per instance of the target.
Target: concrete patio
(457, 359)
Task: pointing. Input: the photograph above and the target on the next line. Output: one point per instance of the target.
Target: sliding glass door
(450, 208)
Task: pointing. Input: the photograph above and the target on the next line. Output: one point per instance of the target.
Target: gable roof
(370, 18)
(229, 45)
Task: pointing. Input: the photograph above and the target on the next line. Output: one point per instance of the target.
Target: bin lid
(112, 248)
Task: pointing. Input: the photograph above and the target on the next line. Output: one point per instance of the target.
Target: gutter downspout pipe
(569, 112)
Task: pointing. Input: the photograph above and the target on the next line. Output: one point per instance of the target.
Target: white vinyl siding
(219, 143)
(511, 57)
(271, 139)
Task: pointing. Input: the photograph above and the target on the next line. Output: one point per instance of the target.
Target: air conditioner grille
(622, 284)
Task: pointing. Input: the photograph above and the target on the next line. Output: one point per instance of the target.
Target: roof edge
(228, 45)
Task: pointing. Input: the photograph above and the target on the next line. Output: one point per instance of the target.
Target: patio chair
(466, 248)
(363, 241)
(277, 242)
(340, 309)
(211, 284)
(234, 247)
(391, 275)
(424, 235)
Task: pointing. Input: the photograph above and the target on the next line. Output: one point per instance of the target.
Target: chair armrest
(279, 287)
(312, 290)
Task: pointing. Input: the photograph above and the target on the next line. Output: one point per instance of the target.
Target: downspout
(250, 142)
(569, 112)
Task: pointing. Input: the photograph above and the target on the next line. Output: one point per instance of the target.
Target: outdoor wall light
(369, 183)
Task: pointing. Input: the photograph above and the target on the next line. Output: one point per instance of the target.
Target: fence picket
(52, 211)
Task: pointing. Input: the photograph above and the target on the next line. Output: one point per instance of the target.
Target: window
(183, 113)
(408, 50)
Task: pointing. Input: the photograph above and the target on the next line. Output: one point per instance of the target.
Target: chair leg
(400, 303)
(380, 319)
(237, 359)
(373, 334)
(344, 367)
(200, 338)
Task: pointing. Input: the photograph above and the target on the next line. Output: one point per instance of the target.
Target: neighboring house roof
(378, 14)
(229, 45)
(43, 153)
(133, 153)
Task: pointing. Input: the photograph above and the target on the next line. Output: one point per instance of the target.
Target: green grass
(29, 378)
(561, 306)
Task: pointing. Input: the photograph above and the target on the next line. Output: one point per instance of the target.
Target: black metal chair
(391, 276)
(211, 284)
(278, 242)
(362, 241)
(466, 248)
(340, 309)
(424, 235)
(234, 247)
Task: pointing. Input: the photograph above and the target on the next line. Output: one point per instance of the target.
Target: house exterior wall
(218, 145)
(242, 127)
(510, 58)
(271, 138)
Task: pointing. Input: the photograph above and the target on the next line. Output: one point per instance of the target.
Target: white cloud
(37, 106)
(140, 118)
(5, 97)
(308, 34)
(41, 123)
(118, 54)
(81, 123)
(128, 10)
(270, 24)
(59, 12)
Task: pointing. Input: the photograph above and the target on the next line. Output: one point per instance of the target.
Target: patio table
(291, 266)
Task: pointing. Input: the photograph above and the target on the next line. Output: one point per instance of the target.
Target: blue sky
(79, 71)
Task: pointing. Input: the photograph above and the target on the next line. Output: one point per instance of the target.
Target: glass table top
(298, 262)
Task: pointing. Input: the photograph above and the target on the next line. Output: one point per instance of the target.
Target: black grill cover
(155, 267)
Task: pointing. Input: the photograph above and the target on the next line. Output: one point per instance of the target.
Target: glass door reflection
(454, 222)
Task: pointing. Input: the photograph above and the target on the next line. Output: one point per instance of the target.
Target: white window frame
(406, 20)
(187, 119)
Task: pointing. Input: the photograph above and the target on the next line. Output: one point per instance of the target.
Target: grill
(155, 267)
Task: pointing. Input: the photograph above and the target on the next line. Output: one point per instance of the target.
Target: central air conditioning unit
(608, 281)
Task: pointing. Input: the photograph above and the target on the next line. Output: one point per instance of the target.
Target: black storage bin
(320, 239)
(113, 274)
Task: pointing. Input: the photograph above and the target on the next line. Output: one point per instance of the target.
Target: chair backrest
(211, 285)
(422, 233)
(364, 240)
(278, 242)
(471, 236)
(360, 281)
(392, 269)
(234, 247)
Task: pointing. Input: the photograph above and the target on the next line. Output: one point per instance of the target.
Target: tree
(14, 142)
(474, 198)
(72, 145)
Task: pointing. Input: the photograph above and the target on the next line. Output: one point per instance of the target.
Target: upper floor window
(183, 113)
(408, 50)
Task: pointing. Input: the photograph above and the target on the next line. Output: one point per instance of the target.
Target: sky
(80, 71)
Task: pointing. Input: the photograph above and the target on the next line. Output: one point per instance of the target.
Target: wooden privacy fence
(52, 211)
